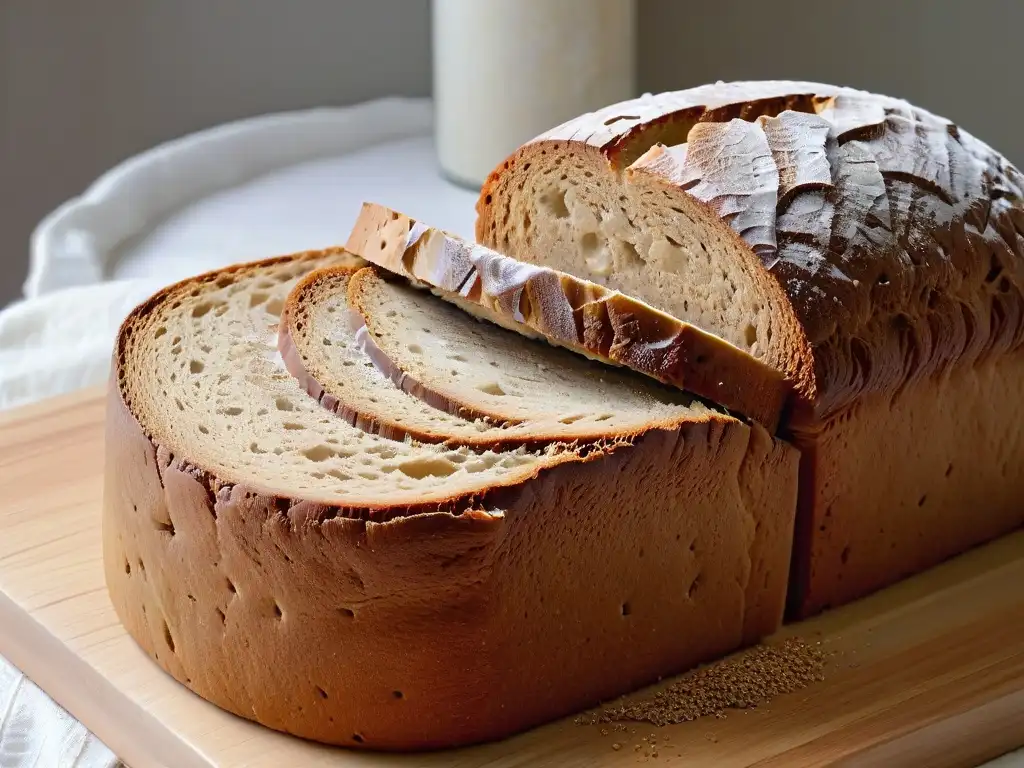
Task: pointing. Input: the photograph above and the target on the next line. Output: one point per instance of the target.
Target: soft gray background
(84, 84)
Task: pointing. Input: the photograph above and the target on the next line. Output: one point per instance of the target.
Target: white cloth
(309, 205)
(35, 733)
(239, 192)
(62, 341)
(81, 241)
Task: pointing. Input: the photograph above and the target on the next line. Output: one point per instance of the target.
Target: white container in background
(508, 70)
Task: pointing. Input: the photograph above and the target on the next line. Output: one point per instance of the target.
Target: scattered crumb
(616, 746)
(743, 681)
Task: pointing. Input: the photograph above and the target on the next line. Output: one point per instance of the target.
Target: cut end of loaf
(325, 344)
(198, 367)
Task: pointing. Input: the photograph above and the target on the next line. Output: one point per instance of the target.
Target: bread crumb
(746, 680)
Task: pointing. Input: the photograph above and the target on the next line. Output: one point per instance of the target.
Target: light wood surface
(929, 673)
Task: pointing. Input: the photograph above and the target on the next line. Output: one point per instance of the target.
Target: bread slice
(569, 312)
(358, 590)
(868, 249)
(442, 362)
(320, 346)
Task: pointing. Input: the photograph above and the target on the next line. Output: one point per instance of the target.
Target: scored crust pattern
(895, 235)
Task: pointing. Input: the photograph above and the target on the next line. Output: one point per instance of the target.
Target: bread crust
(573, 313)
(898, 485)
(424, 627)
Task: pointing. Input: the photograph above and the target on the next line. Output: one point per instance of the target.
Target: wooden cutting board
(928, 673)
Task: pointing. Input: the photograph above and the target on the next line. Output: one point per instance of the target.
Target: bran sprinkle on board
(743, 681)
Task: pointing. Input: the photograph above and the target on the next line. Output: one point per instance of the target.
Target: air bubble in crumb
(743, 681)
(201, 309)
(750, 335)
(427, 467)
(318, 453)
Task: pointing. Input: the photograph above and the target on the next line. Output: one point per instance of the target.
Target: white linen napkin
(62, 341)
(36, 733)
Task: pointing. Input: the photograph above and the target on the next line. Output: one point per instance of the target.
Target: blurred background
(84, 85)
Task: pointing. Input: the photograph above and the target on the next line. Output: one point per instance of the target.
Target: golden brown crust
(280, 614)
(573, 313)
(900, 259)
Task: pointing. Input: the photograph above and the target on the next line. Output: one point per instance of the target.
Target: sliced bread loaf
(870, 250)
(569, 312)
(448, 368)
(354, 589)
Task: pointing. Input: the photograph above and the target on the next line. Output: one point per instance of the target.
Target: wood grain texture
(930, 672)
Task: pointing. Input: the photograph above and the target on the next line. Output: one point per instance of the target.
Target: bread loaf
(351, 588)
(866, 248)
(570, 312)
